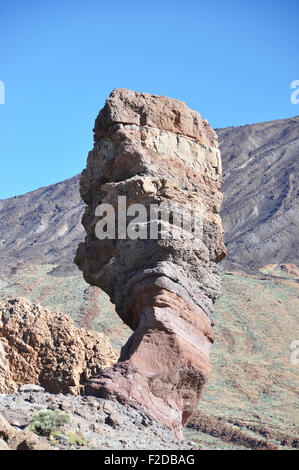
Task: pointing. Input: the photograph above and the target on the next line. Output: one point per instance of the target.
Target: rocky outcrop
(155, 151)
(45, 348)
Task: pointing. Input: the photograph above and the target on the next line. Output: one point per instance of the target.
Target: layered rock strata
(40, 347)
(155, 152)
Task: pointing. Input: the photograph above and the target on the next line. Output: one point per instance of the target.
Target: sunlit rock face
(155, 152)
(45, 348)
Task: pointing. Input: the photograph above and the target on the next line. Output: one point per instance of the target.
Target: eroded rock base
(165, 363)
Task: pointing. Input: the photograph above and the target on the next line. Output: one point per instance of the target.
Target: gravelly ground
(97, 423)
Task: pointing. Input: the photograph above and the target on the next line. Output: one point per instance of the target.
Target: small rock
(31, 442)
(39, 407)
(114, 420)
(100, 420)
(86, 414)
(15, 418)
(31, 388)
(108, 408)
(32, 399)
(91, 401)
(65, 405)
(94, 428)
(3, 445)
(52, 406)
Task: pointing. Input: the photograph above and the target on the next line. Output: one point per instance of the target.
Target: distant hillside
(260, 209)
(43, 226)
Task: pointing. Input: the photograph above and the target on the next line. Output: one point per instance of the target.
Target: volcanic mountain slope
(42, 226)
(252, 395)
(260, 208)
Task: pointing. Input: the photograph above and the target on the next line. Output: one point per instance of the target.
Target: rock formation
(45, 348)
(155, 151)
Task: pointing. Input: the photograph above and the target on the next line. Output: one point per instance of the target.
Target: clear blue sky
(233, 61)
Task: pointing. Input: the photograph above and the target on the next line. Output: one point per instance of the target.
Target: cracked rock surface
(45, 348)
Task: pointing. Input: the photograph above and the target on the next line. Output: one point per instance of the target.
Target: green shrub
(54, 437)
(77, 440)
(48, 422)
